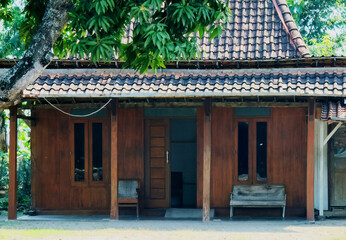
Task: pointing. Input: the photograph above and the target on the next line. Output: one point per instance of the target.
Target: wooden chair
(128, 194)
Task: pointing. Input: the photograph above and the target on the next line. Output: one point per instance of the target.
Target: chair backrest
(127, 189)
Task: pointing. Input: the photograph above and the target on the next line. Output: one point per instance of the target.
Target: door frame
(165, 120)
(333, 202)
(150, 203)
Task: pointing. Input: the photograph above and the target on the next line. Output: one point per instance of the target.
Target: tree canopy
(322, 23)
(161, 29)
(95, 28)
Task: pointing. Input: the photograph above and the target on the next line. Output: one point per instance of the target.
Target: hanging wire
(75, 115)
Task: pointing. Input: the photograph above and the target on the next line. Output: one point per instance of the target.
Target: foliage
(163, 29)
(23, 168)
(323, 25)
(10, 42)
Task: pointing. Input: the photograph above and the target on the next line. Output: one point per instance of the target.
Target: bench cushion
(257, 192)
(127, 189)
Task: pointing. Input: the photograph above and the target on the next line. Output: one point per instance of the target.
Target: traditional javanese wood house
(243, 114)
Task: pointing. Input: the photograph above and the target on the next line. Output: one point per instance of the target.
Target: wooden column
(114, 159)
(321, 166)
(310, 162)
(12, 188)
(206, 159)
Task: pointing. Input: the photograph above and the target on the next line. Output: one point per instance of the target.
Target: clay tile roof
(260, 29)
(333, 110)
(291, 27)
(292, 82)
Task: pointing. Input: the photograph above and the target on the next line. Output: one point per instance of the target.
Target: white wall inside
(320, 134)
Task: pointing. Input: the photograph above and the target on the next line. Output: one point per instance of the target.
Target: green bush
(23, 167)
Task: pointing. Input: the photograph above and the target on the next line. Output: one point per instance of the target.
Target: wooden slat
(157, 131)
(114, 214)
(157, 193)
(206, 159)
(157, 183)
(12, 190)
(157, 142)
(157, 152)
(310, 162)
(157, 162)
(157, 173)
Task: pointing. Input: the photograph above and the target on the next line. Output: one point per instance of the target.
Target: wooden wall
(51, 160)
(286, 156)
(52, 187)
(131, 144)
(288, 153)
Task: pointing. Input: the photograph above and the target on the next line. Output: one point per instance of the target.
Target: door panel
(338, 169)
(157, 164)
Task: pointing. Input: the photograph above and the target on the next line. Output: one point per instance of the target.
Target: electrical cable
(75, 115)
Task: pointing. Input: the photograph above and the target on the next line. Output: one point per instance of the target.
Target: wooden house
(243, 114)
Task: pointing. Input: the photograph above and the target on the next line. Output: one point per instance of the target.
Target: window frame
(252, 153)
(88, 151)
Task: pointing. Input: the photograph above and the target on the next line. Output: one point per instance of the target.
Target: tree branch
(37, 56)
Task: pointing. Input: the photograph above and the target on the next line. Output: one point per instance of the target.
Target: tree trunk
(38, 54)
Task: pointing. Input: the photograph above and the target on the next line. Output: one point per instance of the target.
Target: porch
(127, 151)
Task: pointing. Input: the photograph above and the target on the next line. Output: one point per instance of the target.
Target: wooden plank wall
(222, 156)
(51, 161)
(287, 163)
(51, 182)
(131, 144)
(288, 153)
(52, 187)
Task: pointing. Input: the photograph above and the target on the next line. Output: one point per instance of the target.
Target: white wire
(75, 115)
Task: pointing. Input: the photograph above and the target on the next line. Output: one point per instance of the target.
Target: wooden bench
(256, 195)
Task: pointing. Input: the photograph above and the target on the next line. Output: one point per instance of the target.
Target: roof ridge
(290, 27)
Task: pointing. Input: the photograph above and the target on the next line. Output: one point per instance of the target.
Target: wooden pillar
(12, 188)
(310, 162)
(206, 159)
(321, 166)
(114, 159)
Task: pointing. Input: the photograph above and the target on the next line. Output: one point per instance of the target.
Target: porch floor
(105, 218)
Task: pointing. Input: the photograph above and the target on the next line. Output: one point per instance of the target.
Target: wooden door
(251, 150)
(338, 169)
(157, 166)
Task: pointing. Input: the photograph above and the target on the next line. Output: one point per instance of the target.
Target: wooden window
(243, 153)
(79, 152)
(97, 170)
(252, 150)
(261, 151)
(89, 165)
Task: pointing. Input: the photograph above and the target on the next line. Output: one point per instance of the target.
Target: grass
(143, 234)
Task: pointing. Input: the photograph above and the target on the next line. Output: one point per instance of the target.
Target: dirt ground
(59, 228)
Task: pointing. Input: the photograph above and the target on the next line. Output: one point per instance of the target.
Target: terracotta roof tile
(333, 109)
(316, 82)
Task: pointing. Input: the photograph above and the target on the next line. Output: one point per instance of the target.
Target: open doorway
(183, 164)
